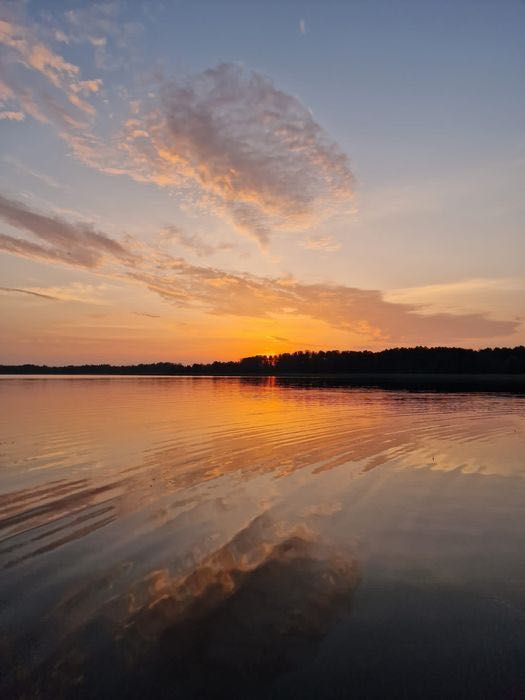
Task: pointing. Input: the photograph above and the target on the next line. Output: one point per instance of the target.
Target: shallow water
(200, 537)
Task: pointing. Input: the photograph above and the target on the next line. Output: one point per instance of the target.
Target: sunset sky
(190, 181)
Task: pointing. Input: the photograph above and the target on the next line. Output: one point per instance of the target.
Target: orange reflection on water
(136, 502)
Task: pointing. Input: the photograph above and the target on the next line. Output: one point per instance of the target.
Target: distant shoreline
(416, 376)
(438, 366)
(493, 382)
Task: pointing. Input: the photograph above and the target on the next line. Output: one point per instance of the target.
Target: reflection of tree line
(405, 360)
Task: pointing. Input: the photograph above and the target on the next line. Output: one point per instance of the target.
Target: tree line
(435, 360)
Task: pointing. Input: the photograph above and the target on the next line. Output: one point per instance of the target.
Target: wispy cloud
(77, 291)
(12, 116)
(43, 177)
(36, 80)
(75, 243)
(29, 292)
(501, 294)
(32, 53)
(279, 339)
(101, 25)
(147, 315)
(227, 139)
(361, 312)
(325, 244)
(193, 242)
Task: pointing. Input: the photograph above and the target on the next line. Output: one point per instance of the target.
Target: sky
(191, 181)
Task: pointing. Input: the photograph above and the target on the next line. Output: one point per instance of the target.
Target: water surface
(201, 537)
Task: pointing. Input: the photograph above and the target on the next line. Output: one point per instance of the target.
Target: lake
(241, 537)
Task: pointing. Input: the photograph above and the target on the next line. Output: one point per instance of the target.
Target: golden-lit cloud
(26, 60)
(255, 151)
(12, 116)
(361, 312)
(227, 139)
(34, 54)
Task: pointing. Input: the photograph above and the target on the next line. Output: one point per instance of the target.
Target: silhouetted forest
(332, 362)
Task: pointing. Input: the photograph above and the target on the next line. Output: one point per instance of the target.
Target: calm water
(199, 537)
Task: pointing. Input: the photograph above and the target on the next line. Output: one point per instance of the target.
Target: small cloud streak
(29, 292)
(193, 242)
(12, 116)
(43, 177)
(279, 339)
(325, 244)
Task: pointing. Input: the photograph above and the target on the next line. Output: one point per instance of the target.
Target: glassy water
(200, 537)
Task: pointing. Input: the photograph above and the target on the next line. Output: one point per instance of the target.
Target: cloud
(28, 249)
(227, 138)
(34, 54)
(75, 243)
(102, 26)
(326, 244)
(87, 86)
(503, 295)
(15, 290)
(144, 313)
(77, 291)
(192, 242)
(252, 152)
(47, 84)
(12, 116)
(360, 312)
(43, 177)
(279, 339)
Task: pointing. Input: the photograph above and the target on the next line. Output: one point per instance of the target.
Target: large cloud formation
(359, 311)
(227, 138)
(253, 150)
